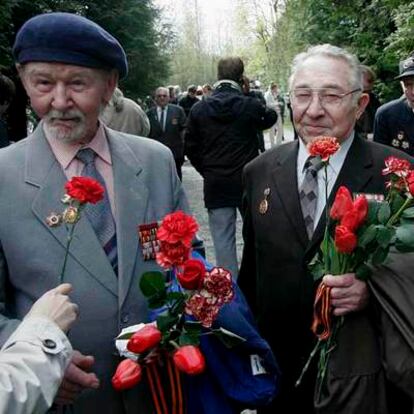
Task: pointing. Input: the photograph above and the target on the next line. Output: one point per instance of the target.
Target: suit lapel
(43, 171)
(285, 179)
(355, 174)
(131, 197)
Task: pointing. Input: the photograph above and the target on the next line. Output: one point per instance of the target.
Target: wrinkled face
(325, 75)
(408, 88)
(68, 98)
(162, 97)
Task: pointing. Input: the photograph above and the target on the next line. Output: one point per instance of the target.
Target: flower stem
(68, 242)
(308, 362)
(326, 233)
(397, 215)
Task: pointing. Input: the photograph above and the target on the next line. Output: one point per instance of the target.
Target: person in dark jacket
(7, 91)
(221, 138)
(167, 123)
(394, 121)
(189, 99)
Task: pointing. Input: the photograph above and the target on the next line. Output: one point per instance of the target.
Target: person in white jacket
(34, 358)
(272, 102)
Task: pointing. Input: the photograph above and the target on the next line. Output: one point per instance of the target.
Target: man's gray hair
(334, 52)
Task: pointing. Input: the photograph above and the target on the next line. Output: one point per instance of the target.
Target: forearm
(32, 364)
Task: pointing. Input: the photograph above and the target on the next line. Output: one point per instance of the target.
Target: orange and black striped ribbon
(164, 403)
(321, 325)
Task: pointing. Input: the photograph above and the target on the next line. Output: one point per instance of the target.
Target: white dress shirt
(159, 111)
(334, 167)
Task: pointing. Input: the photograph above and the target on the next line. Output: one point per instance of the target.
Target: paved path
(193, 184)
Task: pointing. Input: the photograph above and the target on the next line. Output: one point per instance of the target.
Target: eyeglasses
(302, 97)
(161, 96)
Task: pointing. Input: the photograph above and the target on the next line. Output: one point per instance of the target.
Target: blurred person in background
(125, 115)
(365, 124)
(7, 91)
(394, 121)
(221, 138)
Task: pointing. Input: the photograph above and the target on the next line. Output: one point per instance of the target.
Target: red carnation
(192, 274)
(323, 147)
(85, 189)
(177, 227)
(398, 166)
(201, 307)
(172, 254)
(342, 203)
(345, 240)
(410, 182)
(218, 283)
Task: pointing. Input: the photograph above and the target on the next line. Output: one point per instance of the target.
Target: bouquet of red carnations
(360, 231)
(187, 299)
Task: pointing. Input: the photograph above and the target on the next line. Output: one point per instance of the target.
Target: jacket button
(125, 318)
(49, 343)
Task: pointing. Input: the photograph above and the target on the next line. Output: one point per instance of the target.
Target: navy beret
(68, 38)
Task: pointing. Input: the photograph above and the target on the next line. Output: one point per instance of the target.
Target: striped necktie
(308, 193)
(99, 214)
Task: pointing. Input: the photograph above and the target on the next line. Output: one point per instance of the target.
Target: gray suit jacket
(31, 253)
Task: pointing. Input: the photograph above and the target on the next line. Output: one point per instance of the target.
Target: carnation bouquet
(186, 300)
(360, 231)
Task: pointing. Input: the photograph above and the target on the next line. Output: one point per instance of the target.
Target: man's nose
(315, 107)
(61, 99)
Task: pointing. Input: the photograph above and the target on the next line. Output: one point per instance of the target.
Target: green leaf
(317, 270)
(229, 339)
(158, 300)
(384, 213)
(189, 339)
(151, 283)
(166, 321)
(379, 255)
(173, 296)
(384, 235)
(192, 326)
(368, 235)
(373, 207)
(363, 272)
(409, 213)
(405, 237)
(396, 202)
(125, 336)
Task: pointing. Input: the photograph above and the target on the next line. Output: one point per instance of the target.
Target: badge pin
(264, 204)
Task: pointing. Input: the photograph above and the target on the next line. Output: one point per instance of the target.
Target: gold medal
(264, 205)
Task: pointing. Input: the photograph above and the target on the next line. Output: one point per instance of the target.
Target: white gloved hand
(56, 306)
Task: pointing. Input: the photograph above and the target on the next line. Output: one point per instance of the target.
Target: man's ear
(110, 86)
(362, 104)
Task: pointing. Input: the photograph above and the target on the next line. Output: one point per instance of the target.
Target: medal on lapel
(150, 245)
(264, 204)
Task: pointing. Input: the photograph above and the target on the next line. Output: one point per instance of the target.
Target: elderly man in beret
(69, 67)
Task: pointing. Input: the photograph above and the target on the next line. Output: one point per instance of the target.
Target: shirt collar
(66, 152)
(335, 162)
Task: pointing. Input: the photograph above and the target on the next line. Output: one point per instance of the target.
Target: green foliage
(379, 32)
(135, 23)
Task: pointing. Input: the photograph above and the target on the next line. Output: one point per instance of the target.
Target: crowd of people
(60, 352)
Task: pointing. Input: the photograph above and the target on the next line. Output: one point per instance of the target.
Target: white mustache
(73, 113)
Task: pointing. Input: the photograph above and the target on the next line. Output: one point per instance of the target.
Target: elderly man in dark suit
(167, 123)
(327, 99)
(69, 67)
